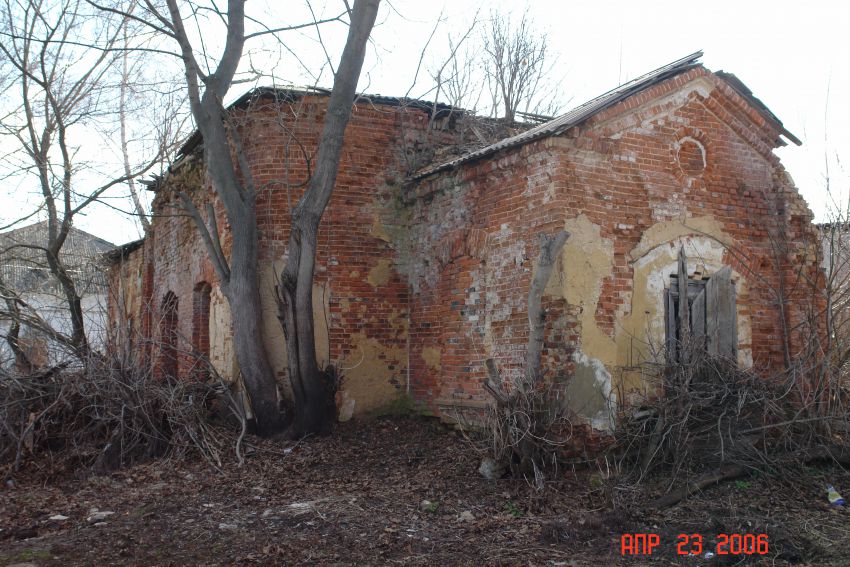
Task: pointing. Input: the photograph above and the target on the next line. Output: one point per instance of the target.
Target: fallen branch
(110, 414)
(838, 455)
(727, 472)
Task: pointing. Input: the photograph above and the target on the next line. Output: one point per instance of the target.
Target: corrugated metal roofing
(581, 113)
(575, 116)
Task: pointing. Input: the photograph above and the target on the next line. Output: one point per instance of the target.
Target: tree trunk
(312, 389)
(246, 311)
(240, 282)
(75, 306)
(237, 193)
(550, 250)
(22, 361)
(122, 119)
(520, 428)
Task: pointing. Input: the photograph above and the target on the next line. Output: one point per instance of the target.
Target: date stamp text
(696, 544)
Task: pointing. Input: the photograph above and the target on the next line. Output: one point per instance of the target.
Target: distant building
(24, 271)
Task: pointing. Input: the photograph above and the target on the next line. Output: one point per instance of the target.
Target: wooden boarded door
(721, 327)
(701, 315)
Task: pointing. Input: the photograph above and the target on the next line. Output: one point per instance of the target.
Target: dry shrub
(712, 416)
(108, 415)
(528, 430)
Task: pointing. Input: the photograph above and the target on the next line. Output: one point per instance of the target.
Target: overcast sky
(794, 57)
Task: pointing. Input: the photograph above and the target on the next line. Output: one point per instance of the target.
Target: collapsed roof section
(279, 95)
(122, 252)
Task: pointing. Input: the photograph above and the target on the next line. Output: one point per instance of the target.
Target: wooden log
(684, 312)
(670, 322)
(698, 322)
(550, 251)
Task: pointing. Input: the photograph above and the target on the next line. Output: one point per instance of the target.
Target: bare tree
(123, 119)
(296, 287)
(516, 61)
(58, 56)
(208, 81)
(455, 79)
(508, 60)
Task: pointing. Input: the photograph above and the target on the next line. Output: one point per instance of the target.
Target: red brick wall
(201, 328)
(367, 296)
(450, 257)
(166, 364)
(474, 245)
(474, 230)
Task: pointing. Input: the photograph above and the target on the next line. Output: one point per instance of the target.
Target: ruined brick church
(427, 248)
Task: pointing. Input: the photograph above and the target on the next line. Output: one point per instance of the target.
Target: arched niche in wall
(656, 270)
(168, 366)
(201, 296)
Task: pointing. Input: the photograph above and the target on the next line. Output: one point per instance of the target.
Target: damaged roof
(553, 127)
(121, 252)
(280, 94)
(739, 87)
(594, 106)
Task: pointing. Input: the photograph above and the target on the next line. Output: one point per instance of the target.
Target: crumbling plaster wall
(684, 163)
(417, 286)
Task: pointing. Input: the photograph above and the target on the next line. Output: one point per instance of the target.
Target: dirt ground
(356, 498)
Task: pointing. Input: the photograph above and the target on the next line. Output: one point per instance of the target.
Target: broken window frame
(709, 324)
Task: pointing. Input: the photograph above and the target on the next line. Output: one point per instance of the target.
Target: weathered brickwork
(420, 279)
(686, 162)
(474, 233)
(360, 299)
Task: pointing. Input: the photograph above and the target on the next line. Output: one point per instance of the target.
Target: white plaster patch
(549, 194)
(222, 354)
(671, 209)
(689, 169)
(346, 408)
(601, 408)
(689, 139)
